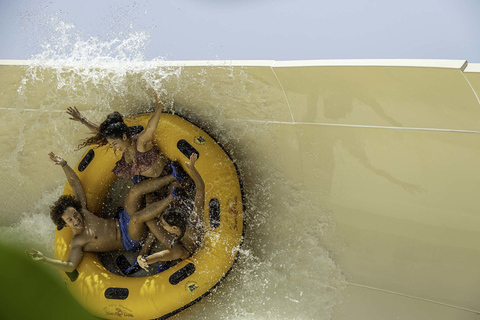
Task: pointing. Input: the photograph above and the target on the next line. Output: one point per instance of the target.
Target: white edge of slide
(448, 64)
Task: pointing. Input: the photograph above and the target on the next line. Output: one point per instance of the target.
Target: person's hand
(156, 98)
(142, 262)
(193, 158)
(56, 159)
(35, 255)
(75, 115)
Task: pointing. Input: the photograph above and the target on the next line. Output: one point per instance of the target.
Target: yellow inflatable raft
(111, 296)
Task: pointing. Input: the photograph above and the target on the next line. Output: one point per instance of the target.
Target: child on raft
(141, 159)
(186, 228)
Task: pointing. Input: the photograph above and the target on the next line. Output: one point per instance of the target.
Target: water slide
(361, 176)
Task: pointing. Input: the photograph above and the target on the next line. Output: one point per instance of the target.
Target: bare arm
(76, 256)
(176, 252)
(199, 203)
(72, 178)
(160, 233)
(146, 136)
(75, 115)
(147, 246)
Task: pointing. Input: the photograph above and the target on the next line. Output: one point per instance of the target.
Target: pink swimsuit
(143, 161)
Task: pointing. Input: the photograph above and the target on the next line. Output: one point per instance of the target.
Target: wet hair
(176, 217)
(58, 209)
(113, 127)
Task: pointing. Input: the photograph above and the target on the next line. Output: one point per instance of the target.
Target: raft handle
(187, 149)
(116, 293)
(214, 213)
(182, 274)
(86, 160)
(72, 275)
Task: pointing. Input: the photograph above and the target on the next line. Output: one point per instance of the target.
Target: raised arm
(199, 203)
(72, 178)
(75, 115)
(76, 256)
(146, 136)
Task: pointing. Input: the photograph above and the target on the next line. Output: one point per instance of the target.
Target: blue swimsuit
(128, 243)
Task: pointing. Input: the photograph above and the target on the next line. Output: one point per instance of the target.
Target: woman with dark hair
(141, 158)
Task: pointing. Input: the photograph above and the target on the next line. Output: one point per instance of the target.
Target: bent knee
(134, 192)
(135, 219)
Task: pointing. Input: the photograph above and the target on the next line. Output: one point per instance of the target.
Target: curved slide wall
(390, 148)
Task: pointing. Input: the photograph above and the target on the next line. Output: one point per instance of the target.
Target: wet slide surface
(361, 177)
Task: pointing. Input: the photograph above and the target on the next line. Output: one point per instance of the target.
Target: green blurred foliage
(30, 291)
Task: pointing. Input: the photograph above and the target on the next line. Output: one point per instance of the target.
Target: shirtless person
(187, 228)
(94, 234)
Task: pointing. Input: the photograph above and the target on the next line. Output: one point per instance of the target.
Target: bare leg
(134, 198)
(136, 228)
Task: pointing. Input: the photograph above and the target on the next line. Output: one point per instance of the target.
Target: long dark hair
(113, 127)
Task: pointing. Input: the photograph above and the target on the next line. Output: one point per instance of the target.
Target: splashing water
(283, 270)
